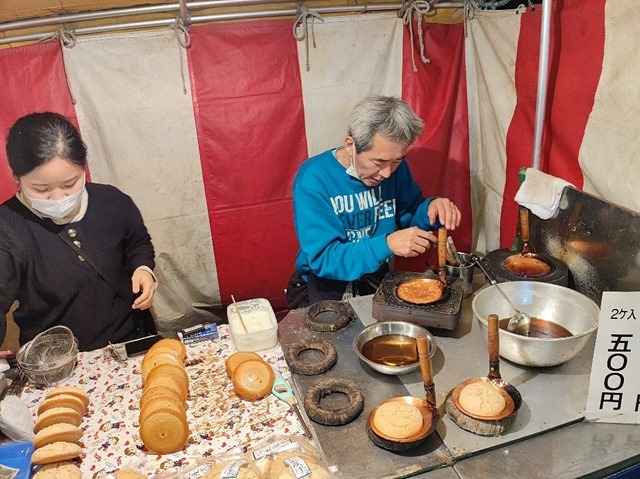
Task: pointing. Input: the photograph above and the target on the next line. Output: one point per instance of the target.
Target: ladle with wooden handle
(520, 322)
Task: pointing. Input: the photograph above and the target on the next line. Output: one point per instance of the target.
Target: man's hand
(444, 210)
(143, 281)
(410, 242)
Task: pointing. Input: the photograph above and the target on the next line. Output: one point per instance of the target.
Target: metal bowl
(392, 327)
(547, 301)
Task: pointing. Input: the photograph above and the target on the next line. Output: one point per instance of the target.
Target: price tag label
(614, 386)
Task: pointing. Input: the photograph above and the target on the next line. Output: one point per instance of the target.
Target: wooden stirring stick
(442, 254)
(244, 326)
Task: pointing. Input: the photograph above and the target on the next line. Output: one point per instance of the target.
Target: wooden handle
(494, 346)
(524, 224)
(425, 367)
(442, 253)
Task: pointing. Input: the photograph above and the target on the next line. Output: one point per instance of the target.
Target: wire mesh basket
(49, 357)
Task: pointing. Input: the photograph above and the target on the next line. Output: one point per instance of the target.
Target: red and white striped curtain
(207, 139)
(591, 134)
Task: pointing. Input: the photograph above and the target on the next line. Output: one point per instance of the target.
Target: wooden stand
(478, 426)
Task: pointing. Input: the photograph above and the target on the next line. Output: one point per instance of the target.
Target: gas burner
(441, 314)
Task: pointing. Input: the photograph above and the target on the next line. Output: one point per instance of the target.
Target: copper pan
(426, 406)
(436, 289)
(512, 397)
(527, 263)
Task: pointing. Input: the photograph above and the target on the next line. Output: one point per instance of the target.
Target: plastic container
(260, 322)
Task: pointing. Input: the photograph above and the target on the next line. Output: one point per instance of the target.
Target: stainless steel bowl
(392, 327)
(550, 302)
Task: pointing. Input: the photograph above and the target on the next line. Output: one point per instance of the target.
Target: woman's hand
(444, 210)
(142, 282)
(410, 241)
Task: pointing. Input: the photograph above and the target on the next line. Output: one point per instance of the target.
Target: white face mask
(57, 209)
(351, 169)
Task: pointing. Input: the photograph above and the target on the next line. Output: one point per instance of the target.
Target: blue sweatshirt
(342, 224)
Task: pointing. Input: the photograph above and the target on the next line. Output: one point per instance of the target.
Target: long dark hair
(37, 138)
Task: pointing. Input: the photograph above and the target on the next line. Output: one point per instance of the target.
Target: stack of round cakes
(163, 416)
(57, 433)
(251, 375)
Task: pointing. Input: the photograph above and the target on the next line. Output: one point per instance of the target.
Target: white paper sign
(614, 387)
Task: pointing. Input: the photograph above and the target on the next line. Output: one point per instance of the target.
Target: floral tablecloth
(218, 419)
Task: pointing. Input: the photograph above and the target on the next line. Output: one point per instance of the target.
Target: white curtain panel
(491, 48)
(355, 56)
(135, 113)
(611, 146)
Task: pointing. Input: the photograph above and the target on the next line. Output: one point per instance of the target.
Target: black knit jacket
(56, 287)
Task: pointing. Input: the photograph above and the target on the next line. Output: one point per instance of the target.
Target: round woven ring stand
(333, 417)
(299, 366)
(341, 310)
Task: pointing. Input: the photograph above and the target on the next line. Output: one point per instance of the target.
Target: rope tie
(184, 41)
(469, 14)
(303, 21)
(179, 28)
(67, 39)
(420, 8)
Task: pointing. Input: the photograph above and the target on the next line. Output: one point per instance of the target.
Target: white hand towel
(541, 193)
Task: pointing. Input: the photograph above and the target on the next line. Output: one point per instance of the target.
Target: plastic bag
(15, 419)
(233, 466)
(297, 463)
(289, 457)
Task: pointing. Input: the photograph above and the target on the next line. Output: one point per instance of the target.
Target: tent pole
(185, 8)
(543, 80)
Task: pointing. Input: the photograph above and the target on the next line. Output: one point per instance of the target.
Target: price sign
(614, 386)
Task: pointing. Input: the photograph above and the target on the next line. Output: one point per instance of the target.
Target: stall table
(547, 439)
(218, 419)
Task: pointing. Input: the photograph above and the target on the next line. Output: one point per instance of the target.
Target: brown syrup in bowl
(391, 350)
(540, 328)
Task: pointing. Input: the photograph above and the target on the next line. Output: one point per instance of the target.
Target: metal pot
(550, 302)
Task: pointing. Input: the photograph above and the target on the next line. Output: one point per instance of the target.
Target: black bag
(297, 295)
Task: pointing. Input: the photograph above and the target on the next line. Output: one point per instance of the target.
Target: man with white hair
(357, 206)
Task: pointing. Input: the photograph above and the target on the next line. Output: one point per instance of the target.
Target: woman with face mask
(72, 253)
